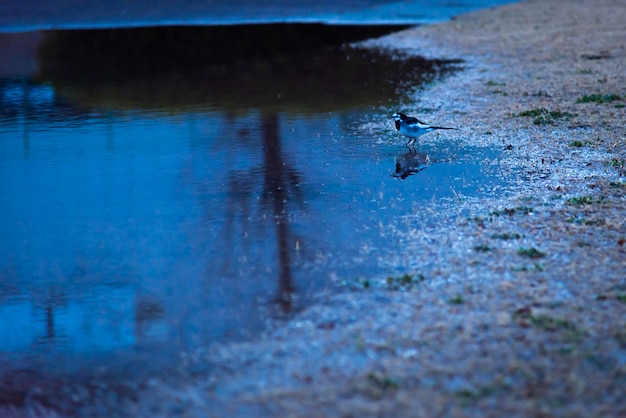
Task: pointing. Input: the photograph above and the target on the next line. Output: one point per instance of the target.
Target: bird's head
(397, 117)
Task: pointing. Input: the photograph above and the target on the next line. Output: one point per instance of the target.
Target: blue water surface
(22, 16)
(162, 212)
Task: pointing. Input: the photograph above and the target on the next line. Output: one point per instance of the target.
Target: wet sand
(517, 304)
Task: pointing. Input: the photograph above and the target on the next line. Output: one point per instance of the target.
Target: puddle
(148, 210)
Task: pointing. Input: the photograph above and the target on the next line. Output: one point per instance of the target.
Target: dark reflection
(277, 185)
(280, 186)
(411, 163)
(120, 54)
(260, 66)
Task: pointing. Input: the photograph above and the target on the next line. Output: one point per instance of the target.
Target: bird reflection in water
(410, 163)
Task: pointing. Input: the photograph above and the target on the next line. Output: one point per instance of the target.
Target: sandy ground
(517, 304)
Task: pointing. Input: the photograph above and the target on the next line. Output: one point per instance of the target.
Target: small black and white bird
(412, 127)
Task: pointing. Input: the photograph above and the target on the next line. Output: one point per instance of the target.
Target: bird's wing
(410, 119)
(422, 125)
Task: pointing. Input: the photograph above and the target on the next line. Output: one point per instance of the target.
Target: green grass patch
(616, 292)
(545, 117)
(531, 252)
(586, 222)
(492, 83)
(382, 382)
(406, 281)
(598, 98)
(578, 144)
(548, 323)
(525, 210)
(617, 163)
(473, 394)
(482, 248)
(457, 300)
(580, 200)
(535, 267)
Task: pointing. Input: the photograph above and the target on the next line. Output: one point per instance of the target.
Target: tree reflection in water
(280, 185)
(278, 189)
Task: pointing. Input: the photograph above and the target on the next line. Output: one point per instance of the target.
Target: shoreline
(69, 14)
(516, 309)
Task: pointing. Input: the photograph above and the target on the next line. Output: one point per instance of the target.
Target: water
(16, 16)
(148, 210)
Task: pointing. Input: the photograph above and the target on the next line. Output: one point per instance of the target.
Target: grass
(457, 300)
(620, 297)
(406, 281)
(531, 252)
(545, 117)
(616, 292)
(541, 94)
(474, 394)
(535, 267)
(617, 184)
(598, 98)
(525, 210)
(548, 323)
(579, 144)
(587, 222)
(551, 324)
(382, 382)
(482, 248)
(580, 200)
(403, 282)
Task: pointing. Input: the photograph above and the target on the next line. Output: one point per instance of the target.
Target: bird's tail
(443, 127)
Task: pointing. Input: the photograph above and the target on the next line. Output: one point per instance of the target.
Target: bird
(412, 127)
